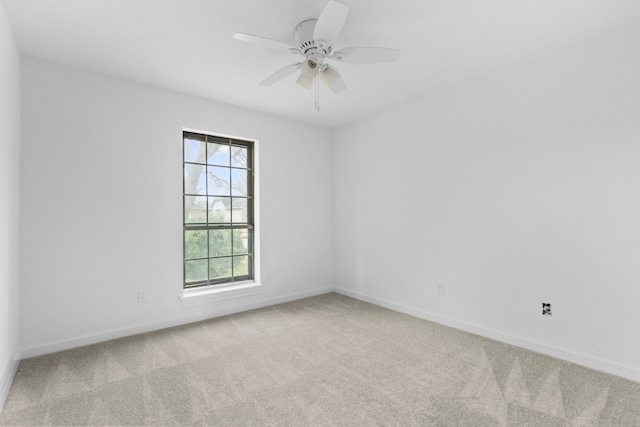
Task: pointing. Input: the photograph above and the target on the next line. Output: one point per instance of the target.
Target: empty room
(320, 212)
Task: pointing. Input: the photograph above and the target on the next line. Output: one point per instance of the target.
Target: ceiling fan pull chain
(318, 92)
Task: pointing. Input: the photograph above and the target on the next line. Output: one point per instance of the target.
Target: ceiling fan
(314, 40)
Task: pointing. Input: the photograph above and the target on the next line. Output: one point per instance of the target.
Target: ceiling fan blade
(265, 42)
(333, 79)
(281, 74)
(366, 55)
(330, 22)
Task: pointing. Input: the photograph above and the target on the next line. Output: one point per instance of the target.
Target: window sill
(193, 297)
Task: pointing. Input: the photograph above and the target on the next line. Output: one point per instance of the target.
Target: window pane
(194, 151)
(239, 157)
(219, 242)
(195, 179)
(239, 211)
(195, 270)
(240, 265)
(219, 268)
(218, 181)
(217, 154)
(195, 209)
(219, 210)
(240, 241)
(195, 244)
(239, 182)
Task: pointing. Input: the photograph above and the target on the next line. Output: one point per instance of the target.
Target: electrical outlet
(440, 290)
(143, 295)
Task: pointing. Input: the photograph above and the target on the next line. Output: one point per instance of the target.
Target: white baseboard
(54, 347)
(611, 367)
(6, 379)
(615, 368)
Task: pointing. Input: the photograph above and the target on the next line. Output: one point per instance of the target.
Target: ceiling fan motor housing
(312, 49)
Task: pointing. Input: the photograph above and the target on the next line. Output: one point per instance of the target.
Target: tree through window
(218, 210)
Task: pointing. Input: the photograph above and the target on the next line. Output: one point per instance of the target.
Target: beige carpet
(327, 360)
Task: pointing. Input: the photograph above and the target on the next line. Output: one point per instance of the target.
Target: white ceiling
(187, 45)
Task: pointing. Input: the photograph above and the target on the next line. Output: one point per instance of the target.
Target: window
(218, 210)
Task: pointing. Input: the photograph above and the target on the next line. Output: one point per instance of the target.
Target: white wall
(518, 189)
(9, 202)
(102, 205)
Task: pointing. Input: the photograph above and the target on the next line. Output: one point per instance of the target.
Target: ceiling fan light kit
(315, 41)
(308, 73)
(333, 79)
